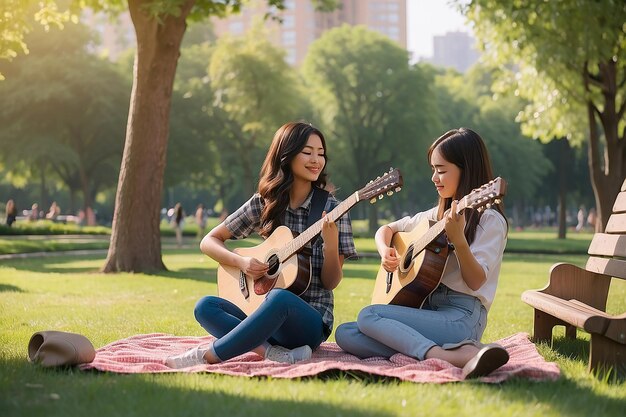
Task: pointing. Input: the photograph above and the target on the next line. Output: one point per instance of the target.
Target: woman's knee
(280, 295)
(205, 305)
(346, 333)
(366, 315)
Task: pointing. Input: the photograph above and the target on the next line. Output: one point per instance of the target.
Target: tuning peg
(380, 197)
(398, 189)
(488, 205)
(385, 174)
(497, 201)
(373, 200)
(480, 209)
(390, 193)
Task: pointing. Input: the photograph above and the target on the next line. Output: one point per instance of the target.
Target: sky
(428, 18)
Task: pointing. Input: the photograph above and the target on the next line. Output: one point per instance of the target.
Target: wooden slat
(589, 309)
(608, 245)
(620, 203)
(611, 267)
(557, 307)
(617, 223)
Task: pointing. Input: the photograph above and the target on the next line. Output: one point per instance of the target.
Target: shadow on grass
(197, 274)
(35, 392)
(563, 397)
(10, 288)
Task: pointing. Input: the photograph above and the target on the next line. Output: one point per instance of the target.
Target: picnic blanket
(146, 353)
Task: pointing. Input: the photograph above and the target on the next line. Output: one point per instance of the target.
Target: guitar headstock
(388, 183)
(486, 195)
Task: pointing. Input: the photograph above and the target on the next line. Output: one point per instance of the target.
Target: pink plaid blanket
(146, 353)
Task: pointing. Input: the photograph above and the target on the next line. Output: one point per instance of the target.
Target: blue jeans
(282, 319)
(383, 330)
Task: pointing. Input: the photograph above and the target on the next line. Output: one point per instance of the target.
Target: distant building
(302, 24)
(454, 49)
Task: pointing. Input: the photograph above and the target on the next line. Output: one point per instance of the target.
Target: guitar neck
(305, 237)
(435, 230)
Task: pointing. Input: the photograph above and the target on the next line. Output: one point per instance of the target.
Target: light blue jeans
(383, 330)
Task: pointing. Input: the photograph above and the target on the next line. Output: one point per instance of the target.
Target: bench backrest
(608, 249)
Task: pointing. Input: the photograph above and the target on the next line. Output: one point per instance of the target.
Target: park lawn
(65, 293)
(528, 241)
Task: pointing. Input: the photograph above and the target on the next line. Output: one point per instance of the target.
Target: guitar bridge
(389, 279)
(243, 285)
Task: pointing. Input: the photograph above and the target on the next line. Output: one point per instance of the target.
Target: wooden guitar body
(423, 253)
(418, 274)
(294, 274)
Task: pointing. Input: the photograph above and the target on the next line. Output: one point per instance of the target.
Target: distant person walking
(34, 212)
(178, 220)
(201, 219)
(580, 217)
(591, 218)
(11, 212)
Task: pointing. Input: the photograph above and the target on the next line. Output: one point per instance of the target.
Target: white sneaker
(280, 354)
(186, 359)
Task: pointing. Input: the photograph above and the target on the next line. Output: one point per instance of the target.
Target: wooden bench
(576, 297)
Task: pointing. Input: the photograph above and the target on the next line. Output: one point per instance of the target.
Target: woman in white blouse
(451, 321)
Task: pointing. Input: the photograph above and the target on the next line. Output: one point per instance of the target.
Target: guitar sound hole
(408, 259)
(274, 264)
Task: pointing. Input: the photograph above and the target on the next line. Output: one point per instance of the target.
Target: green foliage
(374, 106)
(553, 45)
(47, 227)
(255, 92)
(63, 113)
(466, 100)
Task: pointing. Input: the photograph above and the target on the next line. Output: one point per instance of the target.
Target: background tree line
(65, 108)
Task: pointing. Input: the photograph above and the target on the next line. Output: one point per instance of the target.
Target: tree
(256, 92)
(159, 29)
(375, 106)
(569, 61)
(466, 100)
(63, 112)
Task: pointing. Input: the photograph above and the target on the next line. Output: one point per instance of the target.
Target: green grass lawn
(65, 293)
(529, 241)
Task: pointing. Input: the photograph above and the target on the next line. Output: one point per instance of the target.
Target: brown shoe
(487, 360)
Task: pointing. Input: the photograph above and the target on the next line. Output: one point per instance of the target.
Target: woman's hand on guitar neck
(455, 225)
(253, 268)
(330, 233)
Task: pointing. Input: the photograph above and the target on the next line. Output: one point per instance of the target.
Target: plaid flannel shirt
(247, 220)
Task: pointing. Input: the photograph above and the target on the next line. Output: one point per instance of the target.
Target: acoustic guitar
(423, 253)
(290, 265)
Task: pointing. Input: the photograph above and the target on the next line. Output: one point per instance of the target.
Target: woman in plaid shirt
(286, 327)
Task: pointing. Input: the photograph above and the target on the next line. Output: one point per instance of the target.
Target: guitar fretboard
(435, 230)
(305, 237)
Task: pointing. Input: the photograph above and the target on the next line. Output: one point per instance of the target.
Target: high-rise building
(454, 49)
(302, 24)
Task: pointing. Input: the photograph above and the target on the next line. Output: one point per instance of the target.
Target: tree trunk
(564, 173)
(135, 238)
(373, 219)
(607, 166)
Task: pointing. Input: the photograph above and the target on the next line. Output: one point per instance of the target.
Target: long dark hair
(276, 177)
(465, 148)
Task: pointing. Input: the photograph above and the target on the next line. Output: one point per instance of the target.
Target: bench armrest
(569, 281)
